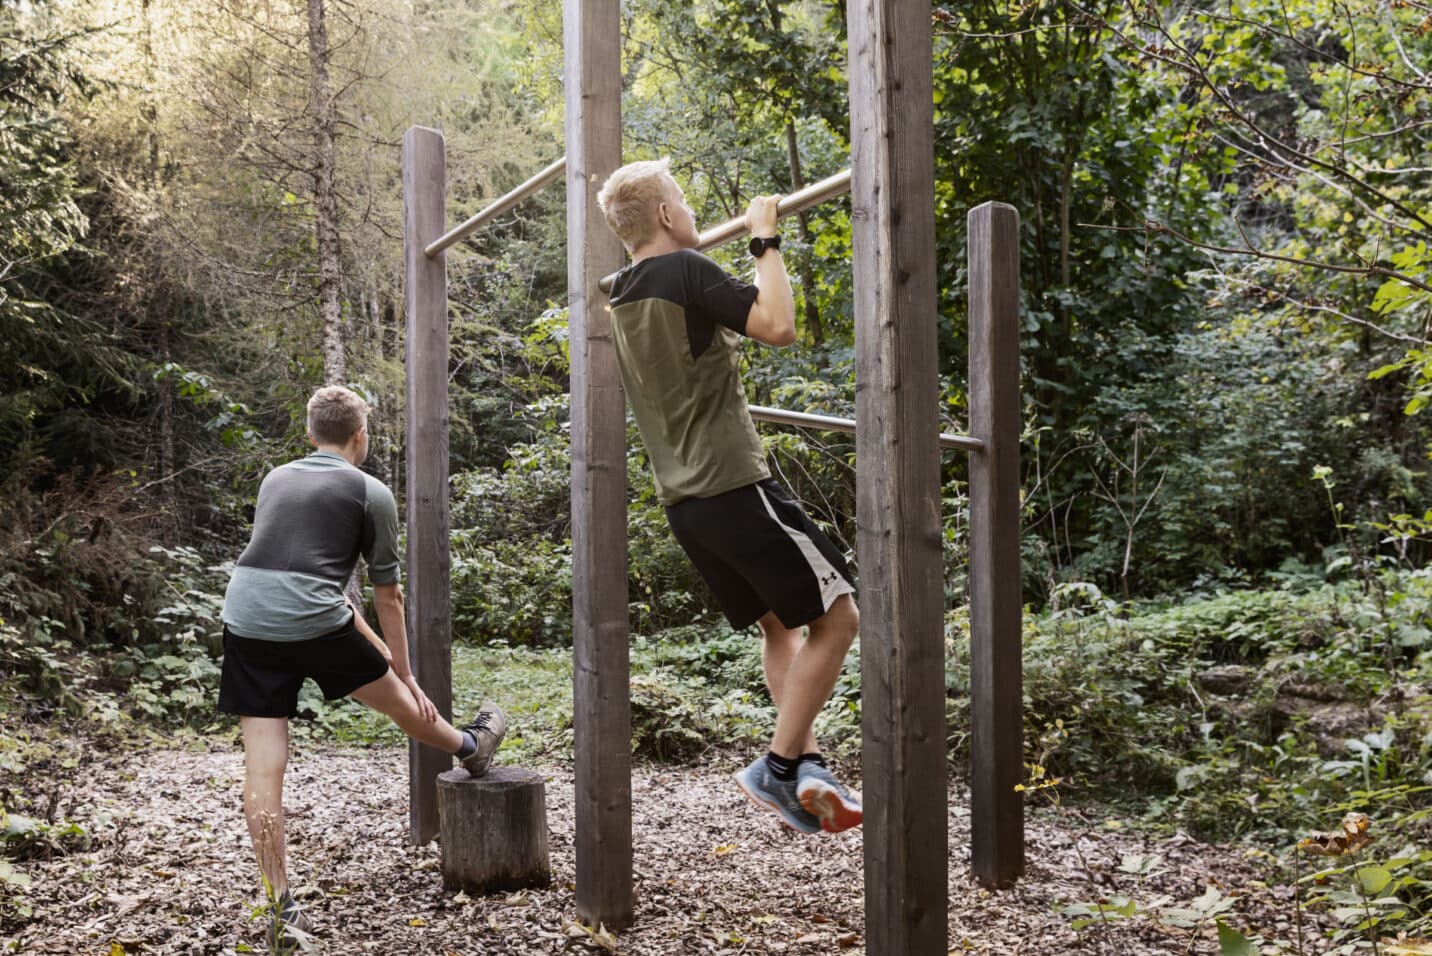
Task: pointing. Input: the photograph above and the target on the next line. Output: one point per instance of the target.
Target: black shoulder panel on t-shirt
(708, 294)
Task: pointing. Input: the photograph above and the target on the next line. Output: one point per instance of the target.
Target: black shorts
(758, 551)
(262, 678)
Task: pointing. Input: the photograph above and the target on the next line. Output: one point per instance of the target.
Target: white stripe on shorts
(832, 583)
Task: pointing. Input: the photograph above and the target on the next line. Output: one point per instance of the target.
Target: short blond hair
(335, 414)
(629, 199)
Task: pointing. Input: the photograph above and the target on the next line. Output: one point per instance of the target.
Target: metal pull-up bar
(505, 203)
(796, 202)
(780, 416)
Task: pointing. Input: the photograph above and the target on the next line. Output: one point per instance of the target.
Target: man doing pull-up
(677, 319)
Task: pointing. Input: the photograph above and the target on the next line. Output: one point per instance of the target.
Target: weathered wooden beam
(996, 685)
(602, 719)
(429, 566)
(898, 477)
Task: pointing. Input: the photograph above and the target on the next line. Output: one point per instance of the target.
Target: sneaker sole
(774, 807)
(474, 770)
(824, 802)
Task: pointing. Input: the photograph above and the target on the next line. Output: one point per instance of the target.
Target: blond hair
(335, 414)
(629, 199)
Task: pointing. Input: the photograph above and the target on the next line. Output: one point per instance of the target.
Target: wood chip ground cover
(170, 870)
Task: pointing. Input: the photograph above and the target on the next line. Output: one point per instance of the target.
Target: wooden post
(996, 684)
(428, 600)
(601, 678)
(494, 830)
(898, 477)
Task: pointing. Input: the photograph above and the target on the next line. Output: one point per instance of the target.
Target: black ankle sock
(782, 768)
(469, 745)
(814, 758)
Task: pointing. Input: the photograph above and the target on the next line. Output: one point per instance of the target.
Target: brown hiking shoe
(488, 729)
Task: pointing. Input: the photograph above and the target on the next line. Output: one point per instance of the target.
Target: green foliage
(53, 360)
(1241, 713)
(100, 624)
(1384, 890)
(511, 547)
(22, 837)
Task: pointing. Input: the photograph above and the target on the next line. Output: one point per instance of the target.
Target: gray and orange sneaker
(289, 930)
(487, 728)
(778, 796)
(822, 796)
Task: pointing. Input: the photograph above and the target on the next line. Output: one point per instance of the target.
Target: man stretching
(677, 319)
(286, 619)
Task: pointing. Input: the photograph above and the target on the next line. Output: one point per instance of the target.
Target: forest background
(1227, 308)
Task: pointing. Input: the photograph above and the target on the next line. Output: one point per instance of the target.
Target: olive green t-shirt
(677, 321)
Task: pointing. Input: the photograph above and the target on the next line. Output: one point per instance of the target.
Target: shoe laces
(480, 721)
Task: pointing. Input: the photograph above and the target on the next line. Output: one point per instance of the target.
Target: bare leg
(388, 695)
(779, 647)
(265, 758)
(811, 675)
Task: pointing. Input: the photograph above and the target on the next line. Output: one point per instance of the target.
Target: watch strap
(759, 244)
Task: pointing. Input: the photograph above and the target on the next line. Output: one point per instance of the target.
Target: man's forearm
(389, 605)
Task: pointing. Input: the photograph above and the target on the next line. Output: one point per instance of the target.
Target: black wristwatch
(759, 244)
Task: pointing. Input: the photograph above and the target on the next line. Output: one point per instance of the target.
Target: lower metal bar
(780, 416)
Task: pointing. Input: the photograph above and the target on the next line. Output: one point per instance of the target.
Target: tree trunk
(325, 198)
(494, 830)
(167, 460)
(812, 313)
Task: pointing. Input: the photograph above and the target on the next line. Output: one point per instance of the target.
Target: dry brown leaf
(1353, 837)
(600, 936)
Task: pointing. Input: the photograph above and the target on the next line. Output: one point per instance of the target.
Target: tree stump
(494, 830)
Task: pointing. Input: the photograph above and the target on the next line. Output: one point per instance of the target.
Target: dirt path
(170, 871)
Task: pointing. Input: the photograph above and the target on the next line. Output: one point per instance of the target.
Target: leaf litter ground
(170, 870)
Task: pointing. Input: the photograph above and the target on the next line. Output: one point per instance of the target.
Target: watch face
(759, 244)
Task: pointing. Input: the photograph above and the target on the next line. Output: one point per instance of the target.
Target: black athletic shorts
(758, 551)
(262, 678)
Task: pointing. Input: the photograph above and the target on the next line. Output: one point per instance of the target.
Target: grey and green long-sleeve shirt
(314, 517)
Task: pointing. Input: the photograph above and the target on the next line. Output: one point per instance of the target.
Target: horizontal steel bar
(796, 202)
(534, 185)
(780, 416)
